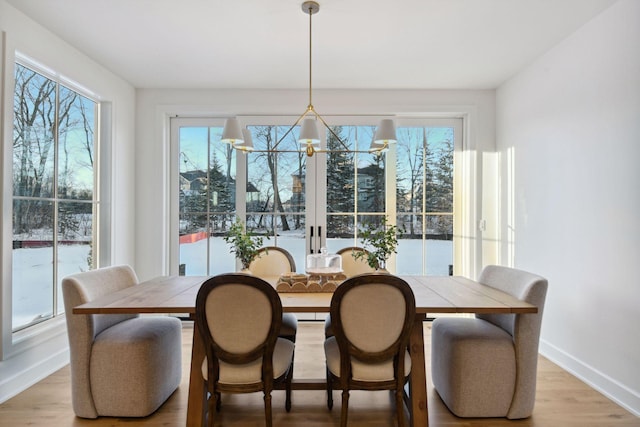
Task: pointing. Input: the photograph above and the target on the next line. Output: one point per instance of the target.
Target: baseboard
(619, 393)
(18, 376)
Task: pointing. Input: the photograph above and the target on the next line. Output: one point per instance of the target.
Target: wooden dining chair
(239, 317)
(350, 267)
(372, 317)
(274, 261)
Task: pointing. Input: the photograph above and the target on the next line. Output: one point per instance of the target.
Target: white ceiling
(374, 44)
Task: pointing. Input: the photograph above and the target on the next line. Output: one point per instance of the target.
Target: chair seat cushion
(361, 371)
(136, 365)
(473, 366)
(289, 326)
(328, 327)
(252, 372)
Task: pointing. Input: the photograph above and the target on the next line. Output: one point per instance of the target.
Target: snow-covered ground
(32, 267)
(438, 255)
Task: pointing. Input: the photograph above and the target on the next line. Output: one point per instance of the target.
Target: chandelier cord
(310, 68)
(311, 7)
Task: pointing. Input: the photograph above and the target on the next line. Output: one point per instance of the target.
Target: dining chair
(350, 267)
(486, 366)
(122, 365)
(275, 261)
(239, 316)
(372, 317)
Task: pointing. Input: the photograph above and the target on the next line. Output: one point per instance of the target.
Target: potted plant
(381, 241)
(244, 244)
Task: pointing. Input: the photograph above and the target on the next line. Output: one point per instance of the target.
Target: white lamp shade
(247, 144)
(386, 132)
(309, 133)
(232, 133)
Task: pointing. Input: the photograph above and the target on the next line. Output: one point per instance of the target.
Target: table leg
(196, 381)
(419, 412)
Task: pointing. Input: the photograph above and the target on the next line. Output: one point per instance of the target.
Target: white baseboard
(18, 376)
(622, 395)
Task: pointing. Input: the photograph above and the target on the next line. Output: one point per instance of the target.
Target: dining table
(433, 295)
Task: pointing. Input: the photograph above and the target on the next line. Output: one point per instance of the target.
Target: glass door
(305, 203)
(277, 189)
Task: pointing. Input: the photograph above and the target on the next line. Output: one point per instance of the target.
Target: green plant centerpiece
(381, 240)
(243, 243)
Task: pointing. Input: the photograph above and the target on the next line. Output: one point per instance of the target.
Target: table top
(433, 294)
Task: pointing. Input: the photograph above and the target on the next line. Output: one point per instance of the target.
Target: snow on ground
(32, 267)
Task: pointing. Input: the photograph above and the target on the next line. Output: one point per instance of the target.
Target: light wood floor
(562, 401)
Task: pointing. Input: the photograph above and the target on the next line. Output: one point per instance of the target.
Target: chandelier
(309, 139)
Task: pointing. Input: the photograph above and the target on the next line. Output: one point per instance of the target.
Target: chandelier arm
(331, 130)
(311, 7)
(291, 128)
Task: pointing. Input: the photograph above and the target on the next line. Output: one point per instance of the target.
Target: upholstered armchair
(486, 366)
(122, 365)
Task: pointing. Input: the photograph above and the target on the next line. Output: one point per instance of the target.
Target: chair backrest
(272, 261)
(239, 316)
(372, 315)
(524, 328)
(79, 289)
(352, 266)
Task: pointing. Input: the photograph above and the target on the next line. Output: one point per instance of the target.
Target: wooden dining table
(433, 295)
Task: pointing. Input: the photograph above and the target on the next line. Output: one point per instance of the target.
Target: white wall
(570, 123)
(45, 349)
(155, 106)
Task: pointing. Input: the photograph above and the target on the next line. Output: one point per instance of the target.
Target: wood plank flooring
(562, 401)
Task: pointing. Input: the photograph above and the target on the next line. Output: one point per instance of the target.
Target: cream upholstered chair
(372, 319)
(350, 267)
(486, 366)
(239, 316)
(122, 365)
(274, 261)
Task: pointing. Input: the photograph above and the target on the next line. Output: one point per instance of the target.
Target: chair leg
(345, 408)
(400, 407)
(288, 379)
(329, 390)
(211, 413)
(267, 409)
(205, 405)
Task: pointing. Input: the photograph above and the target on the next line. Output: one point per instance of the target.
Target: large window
(424, 199)
(302, 203)
(54, 193)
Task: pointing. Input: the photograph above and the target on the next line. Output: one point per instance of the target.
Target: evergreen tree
(444, 187)
(340, 197)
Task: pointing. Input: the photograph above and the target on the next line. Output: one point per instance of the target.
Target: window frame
(16, 341)
(352, 120)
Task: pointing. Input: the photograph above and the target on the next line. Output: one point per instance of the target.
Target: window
(54, 193)
(302, 203)
(424, 199)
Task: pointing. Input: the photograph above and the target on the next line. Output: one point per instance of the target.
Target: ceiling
(261, 44)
